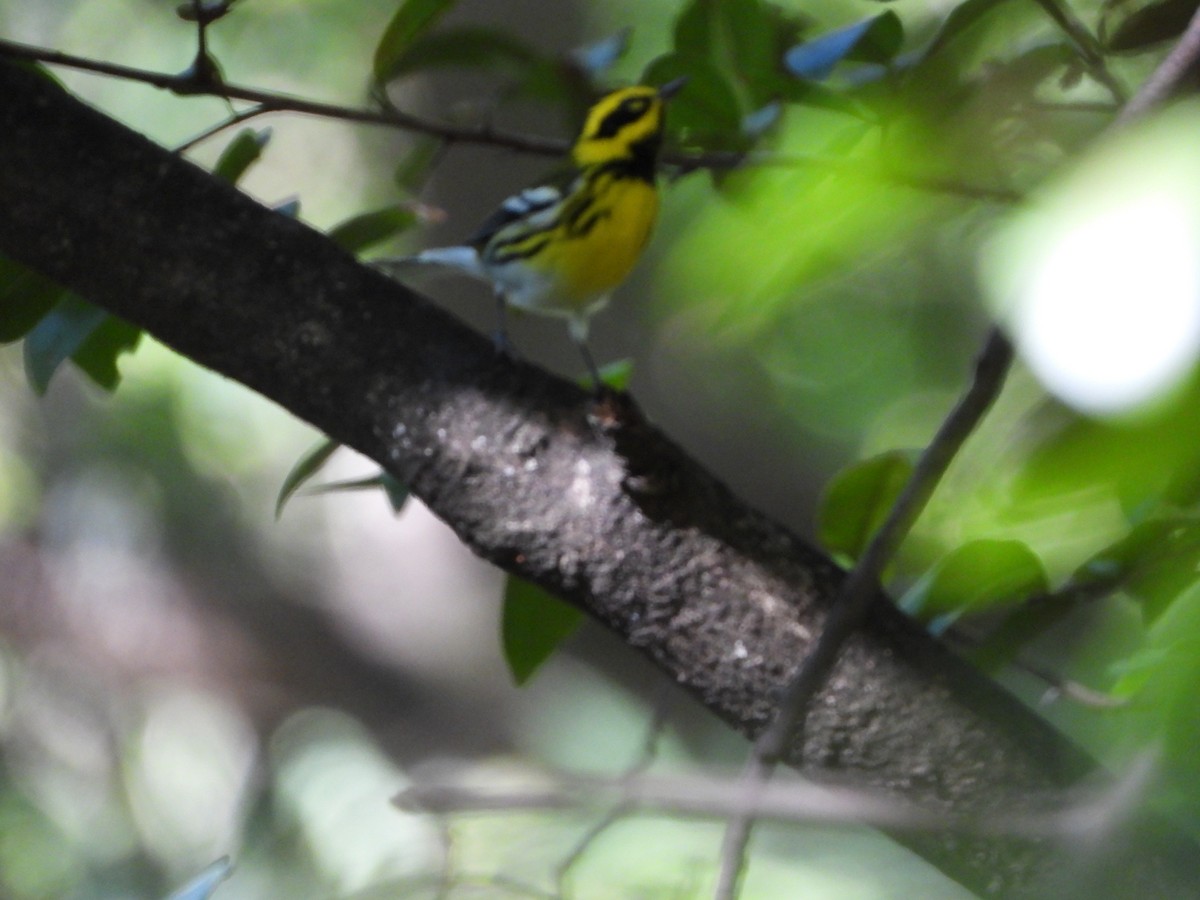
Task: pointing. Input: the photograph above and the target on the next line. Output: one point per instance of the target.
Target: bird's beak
(672, 87)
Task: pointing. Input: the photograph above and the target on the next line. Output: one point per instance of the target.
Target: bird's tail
(459, 259)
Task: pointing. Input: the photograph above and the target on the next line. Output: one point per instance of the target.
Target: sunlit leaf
(243, 151)
(534, 625)
(408, 23)
(361, 231)
(978, 576)
(304, 469)
(25, 297)
(206, 883)
(858, 499)
(876, 39)
(59, 334)
(617, 374)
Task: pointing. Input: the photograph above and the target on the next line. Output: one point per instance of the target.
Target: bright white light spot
(1098, 280)
(1110, 316)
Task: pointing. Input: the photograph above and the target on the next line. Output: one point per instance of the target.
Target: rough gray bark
(585, 499)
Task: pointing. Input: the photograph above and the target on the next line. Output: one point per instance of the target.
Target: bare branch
(858, 594)
(1170, 72)
(203, 82)
(1084, 814)
(588, 501)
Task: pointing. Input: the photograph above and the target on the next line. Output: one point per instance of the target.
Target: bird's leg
(579, 331)
(500, 338)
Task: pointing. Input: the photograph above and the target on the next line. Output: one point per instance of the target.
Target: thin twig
(1056, 685)
(1081, 812)
(236, 119)
(193, 83)
(1159, 86)
(622, 808)
(1087, 45)
(858, 593)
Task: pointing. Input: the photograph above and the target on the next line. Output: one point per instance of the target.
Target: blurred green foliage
(824, 293)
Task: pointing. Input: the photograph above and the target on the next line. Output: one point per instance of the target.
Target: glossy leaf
(58, 335)
(304, 469)
(859, 498)
(597, 58)
(25, 298)
(407, 24)
(876, 40)
(534, 624)
(975, 577)
(243, 152)
(203, 886)
(360, 232)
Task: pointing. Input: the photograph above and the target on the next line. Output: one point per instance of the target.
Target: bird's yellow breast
(602, 238)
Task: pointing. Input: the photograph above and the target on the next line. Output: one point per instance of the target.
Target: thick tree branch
(587, 501)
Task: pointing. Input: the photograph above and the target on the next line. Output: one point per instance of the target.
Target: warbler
(561, 251)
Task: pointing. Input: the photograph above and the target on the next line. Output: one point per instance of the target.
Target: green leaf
(960, 20)
(1155, 563)
(533, 626)
(465, 47)
(25, 298)
(306, 466)
(415, 165)
(361, 231)
(975, 577)
(397, 492)
(1150, 25)
(98, 354)
(707, 110)
(859, 498)
(616, 375)
(408, 23)
(243, 152)
(58, 335)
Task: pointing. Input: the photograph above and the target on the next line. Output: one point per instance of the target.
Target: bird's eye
(636, 105)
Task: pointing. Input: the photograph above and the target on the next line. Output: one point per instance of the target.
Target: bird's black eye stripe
(627, 111)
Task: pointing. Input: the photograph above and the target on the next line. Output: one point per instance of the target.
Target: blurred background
(184, 677)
